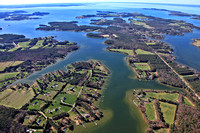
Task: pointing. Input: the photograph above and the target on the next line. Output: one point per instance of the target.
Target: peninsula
(57, 101)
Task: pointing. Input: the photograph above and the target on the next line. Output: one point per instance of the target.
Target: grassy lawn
(24, 44)
(168, 112)
(4, 76)
(38, 44)
(36, 104)
(126, 51)
(48, 96)
(15, 99)
(150, 111)
(55, 85)
(187, 102)
(166, 96)
(151, 43)
(3, 65)
(162, 130)
(142, 66)
(140, 51)
(56, 104)
(163, 54)
(141, 23)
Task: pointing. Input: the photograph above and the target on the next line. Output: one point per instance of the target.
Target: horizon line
(100, 2)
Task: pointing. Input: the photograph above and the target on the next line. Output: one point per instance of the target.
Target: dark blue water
(123, 120)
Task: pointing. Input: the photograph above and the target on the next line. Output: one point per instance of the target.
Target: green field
(142, 66)
(140, 51)
(38, 44)
(166, 96)
(187, 102)
(48, 95)
(169, 111)
(4, 76)
(151, 43)
(162, 130)
(3, 65)
(150, 112)
(141, 23)
(24, 44)
(126, 51)
(15, 99)
(36, 104)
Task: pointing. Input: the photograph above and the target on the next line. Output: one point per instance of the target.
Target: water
(123, 120)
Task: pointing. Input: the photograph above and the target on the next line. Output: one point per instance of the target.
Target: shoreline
(133, 109)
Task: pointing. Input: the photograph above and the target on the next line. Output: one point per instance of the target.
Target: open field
(150, 111)
(126, 51)
(163, 130)
(142, 66)
(166, 96)
(15, 99)
(24, 44)
(151, 43)
(187, 101)
(141, 23)
(3, 65)
(38, 44)
(36, 104)
(140, 51)
(4, 76)
(169, 111)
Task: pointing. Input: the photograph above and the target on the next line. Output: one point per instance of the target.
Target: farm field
(143, 52)
(126, 51)
(142, 66)
(166, 96)
(169, 111)
(15, 99)
(150, 111)
(4, 76)
(187, 102)
(3, 65)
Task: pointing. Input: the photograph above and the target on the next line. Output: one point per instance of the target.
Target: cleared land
(3, 65)
(4, 76)
(140, 51)
(150, 111)
(166, 96)
(126, 51)
(187, 102)
(142, 66)
(15, 99)
(169, 111)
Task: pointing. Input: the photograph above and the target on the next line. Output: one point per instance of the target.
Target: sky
(13, 2)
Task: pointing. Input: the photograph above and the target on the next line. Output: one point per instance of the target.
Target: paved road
(186, 83)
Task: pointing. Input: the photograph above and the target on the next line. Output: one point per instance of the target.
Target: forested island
(57, 101)
(19, 15)
(21, 56)
(176, 13)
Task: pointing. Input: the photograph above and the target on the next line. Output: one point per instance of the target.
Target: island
(19, 15)
(21, 56)
(196, 42)
(150, 57)
(176, 13)
(166, 111)
(57, 101)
